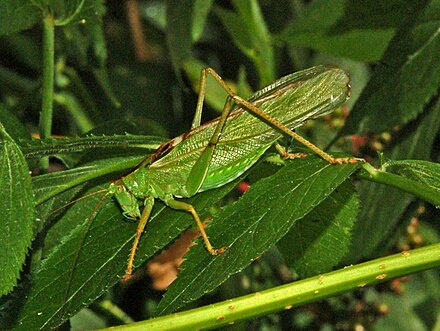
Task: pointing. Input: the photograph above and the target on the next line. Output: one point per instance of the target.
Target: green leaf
(74, 272)
(416, 308)
(84, 33)
(93, 256)
(18, 211)
(249, 32)
(20, 46)
(92, 12)
(421, 190)
(88, 12)
(179, 15)
(424, 172)
(52, 146)
(87, 319)
(201, 11)
(54, 191)
(16, 16)
(377, 219)
(310, 30)
(103, 79)
(372, 14)
(49, 211)
(154, 13)
(409, 77)
(48, 185)
(12, 124)
(253, 224)
(318, 242)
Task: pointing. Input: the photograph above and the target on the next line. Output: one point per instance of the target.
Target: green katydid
(217, 152)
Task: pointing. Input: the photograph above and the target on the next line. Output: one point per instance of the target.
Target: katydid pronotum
(217, 152)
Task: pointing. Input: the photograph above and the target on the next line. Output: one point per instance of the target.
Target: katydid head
(126, 199)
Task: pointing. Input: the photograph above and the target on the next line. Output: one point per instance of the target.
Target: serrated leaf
(321, 239)
(54, 191)
(48, 185)
(409, 77)
(17, 216)
(425, 172)
(16, 16)
(84, 261)
(38, 148)
(93, 256)
(377, 219)
(253, 224)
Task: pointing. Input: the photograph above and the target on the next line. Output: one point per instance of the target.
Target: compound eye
(119, 189)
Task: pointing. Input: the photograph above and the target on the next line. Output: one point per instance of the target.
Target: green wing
(292, 100)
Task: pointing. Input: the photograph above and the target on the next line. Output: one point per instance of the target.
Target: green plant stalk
(420, 190)
(296, 293)
(48, 81)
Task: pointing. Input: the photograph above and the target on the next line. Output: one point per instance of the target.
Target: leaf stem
(405, 184)
(297, 293)
(48, 83)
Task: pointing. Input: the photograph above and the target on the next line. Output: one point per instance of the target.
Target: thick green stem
(48, 82)
(297, 293)
(420, 190)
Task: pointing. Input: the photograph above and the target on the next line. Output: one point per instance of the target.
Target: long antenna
(101, 199)
(81, 198)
